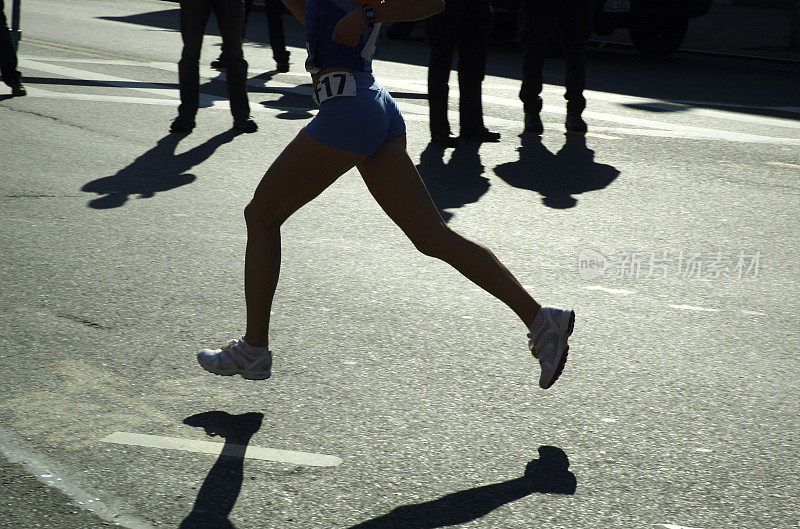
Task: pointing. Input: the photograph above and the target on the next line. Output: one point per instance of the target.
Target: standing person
(359, 125)
(194, 17)
(277, 39)
(539, 17)
(8, 57)
(463, 25)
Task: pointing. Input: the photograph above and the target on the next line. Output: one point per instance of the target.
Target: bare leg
(395, 183)
(303, 170)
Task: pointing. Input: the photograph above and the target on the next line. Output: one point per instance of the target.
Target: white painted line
(593, 95)
(111, 80)
(672, 129)
(603, 136)
(673, 526)
(692, 307)
(233, 450)
(609, 419)
(784, 164)
(617, 291)
(794, 110)
(753, 313)
(702, 450)
(52, 94)
(650, 127)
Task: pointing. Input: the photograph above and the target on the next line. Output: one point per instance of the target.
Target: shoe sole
(245, 375)
(567, 332)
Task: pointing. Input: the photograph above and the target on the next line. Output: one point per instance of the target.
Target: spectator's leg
(536, 19)
(277, 39)
(8, 54)
(575, 18)
(230, 14)
(439, 33)
(474, 24)
(194, 17)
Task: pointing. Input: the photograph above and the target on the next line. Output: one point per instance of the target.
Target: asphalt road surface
(402, 395)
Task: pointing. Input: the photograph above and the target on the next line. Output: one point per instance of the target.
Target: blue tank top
(321, 17)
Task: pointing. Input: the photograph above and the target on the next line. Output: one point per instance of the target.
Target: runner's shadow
(546, 475)
(158, 169)
(557, 177)
(221, 488)
(455, 183)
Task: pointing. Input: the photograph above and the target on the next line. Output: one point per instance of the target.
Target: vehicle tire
(399, 30)
(659, 37)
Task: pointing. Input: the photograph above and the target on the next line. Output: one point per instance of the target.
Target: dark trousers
(463, 26)
(277, 39)
(194, 18)
(539, 18)
(8, 54)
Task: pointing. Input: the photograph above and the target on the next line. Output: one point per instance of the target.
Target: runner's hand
(349, 28)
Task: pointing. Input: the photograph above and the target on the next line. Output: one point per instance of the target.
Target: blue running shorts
(360, 123)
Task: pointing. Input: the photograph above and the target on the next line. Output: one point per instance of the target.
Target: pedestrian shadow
(294, 105)
(457, 182)
(547, 475)
(557, 177)
(157, 170)
(220, 490)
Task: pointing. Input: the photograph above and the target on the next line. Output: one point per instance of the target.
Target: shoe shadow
(157, 170)
(457, 182)
(557, 177)
(547, 475)
(221, 488)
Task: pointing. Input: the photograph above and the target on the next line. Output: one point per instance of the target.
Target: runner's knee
(259, 215)
(435, 243)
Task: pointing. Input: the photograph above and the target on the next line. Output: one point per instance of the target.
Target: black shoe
(180, 124)
(218, 63)
(481, 135)
(283, 67)
(575, 124)
(245, 125)
(445, 140)
(533, 123)
(18, 90)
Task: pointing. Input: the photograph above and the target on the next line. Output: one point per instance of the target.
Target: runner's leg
(395, 183)
(303, 170)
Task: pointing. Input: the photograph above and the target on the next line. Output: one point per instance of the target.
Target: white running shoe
(548, 341)
(237, 357)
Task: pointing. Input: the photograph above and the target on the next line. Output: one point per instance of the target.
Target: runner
(359, 125)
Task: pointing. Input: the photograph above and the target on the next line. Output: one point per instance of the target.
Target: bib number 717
(334, 84)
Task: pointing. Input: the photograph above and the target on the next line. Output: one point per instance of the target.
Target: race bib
(334, 84)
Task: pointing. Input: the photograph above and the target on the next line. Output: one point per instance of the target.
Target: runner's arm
(406, 10)
(349, 28)
(298, 9)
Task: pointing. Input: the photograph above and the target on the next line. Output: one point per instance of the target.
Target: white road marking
(753, 313)
(610, 290)
(650, 127)
(673, 526)
(702, 450)
(784, 164)
(111, 80)
(609, 419)
(233, 450)
(692, 307)
(676, 129)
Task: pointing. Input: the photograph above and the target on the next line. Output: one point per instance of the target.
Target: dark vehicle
(656, 27)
